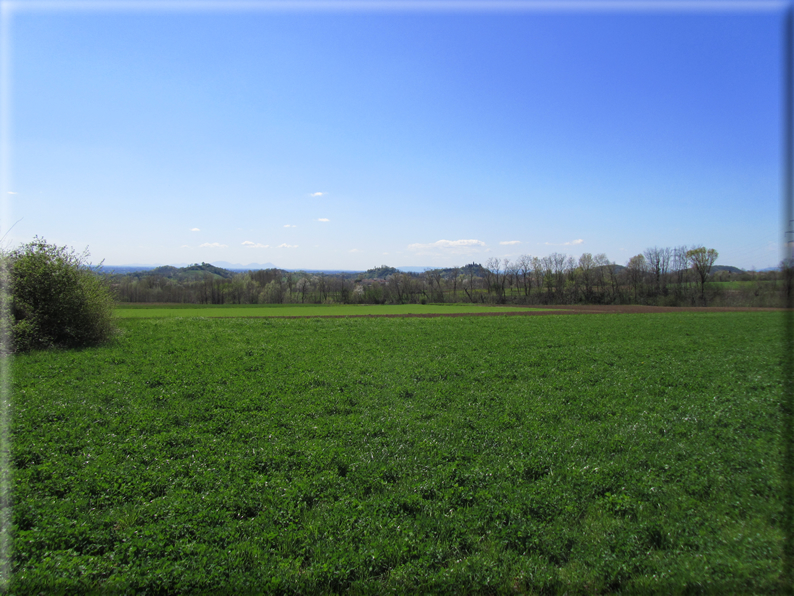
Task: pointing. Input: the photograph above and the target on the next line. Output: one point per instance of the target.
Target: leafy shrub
(54, 298)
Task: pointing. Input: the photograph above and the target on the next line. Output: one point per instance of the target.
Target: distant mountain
(239, 267)
(326, 271)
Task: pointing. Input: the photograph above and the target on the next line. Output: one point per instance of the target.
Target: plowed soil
(561, 310)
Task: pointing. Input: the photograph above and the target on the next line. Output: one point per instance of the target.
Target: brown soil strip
(553, 310)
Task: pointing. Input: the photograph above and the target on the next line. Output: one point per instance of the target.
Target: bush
(55, 299)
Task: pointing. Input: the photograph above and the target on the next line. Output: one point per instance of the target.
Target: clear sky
(349, 139)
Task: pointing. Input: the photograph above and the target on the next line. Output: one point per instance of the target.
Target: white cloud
(213, 245)
(250, 244)
(184, 246)
(285, 245)
(353, 250)
(194, 230)
(323, 219)
(447, 244)
(11, 193)
(571, 243)
(317, 194)
(511, 242)
(289, 226)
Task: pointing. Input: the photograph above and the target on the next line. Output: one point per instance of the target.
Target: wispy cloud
(289, 226)
(510, 242)
(184, 246)
(11, 192)
(317, 194)
(285, 245)
(323, 219)
(250, 244)
(213, 245)
(447, 244)
(194, 230)
(353, 250)
(571, 243)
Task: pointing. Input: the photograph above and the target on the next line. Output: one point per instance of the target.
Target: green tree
(701, 260)
(55, 299)
(635, 270)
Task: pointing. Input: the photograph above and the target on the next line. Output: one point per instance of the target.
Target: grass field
(587, 454)
(152, 311)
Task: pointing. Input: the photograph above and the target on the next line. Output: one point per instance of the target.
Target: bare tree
(607, 276)
(635, 271)
(681, 270)
(469, 271)
(511, 276)
(653, 260)
(524, 271)
(495, 272)
(435, 277)
(538, 273)
(586, 267)
(571, 278)
(558, 271)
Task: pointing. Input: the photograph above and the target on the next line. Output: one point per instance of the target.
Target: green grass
(633, 453)
(139, 311)
(741, 285)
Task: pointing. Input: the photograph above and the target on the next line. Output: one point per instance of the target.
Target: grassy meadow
(521, 455)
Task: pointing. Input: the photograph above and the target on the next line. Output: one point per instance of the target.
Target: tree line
(677, 276)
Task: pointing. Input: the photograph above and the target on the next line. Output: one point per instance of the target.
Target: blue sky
(350, 139)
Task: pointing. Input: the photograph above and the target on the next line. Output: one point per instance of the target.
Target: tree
(303, 286)
(586, 267)
(635, 270)
(605, 274)
(701, 260)
(435, 276)
(524, 270)
(55, 298)
(469, 269)
(658, 261)
(681, 268)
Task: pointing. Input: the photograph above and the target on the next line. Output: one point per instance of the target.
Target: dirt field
(634, 309)
(562, 310)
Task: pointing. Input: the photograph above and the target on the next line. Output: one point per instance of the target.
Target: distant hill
(729, 268)
(381, 272)
(125, 269)
(413, 269)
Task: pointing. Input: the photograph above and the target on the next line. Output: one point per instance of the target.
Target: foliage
(659, 276)
(602, 454)
(702, 260)
(381, 272)
(56, 299)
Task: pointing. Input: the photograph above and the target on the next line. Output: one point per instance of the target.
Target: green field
(521, 455)
(154, 311)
